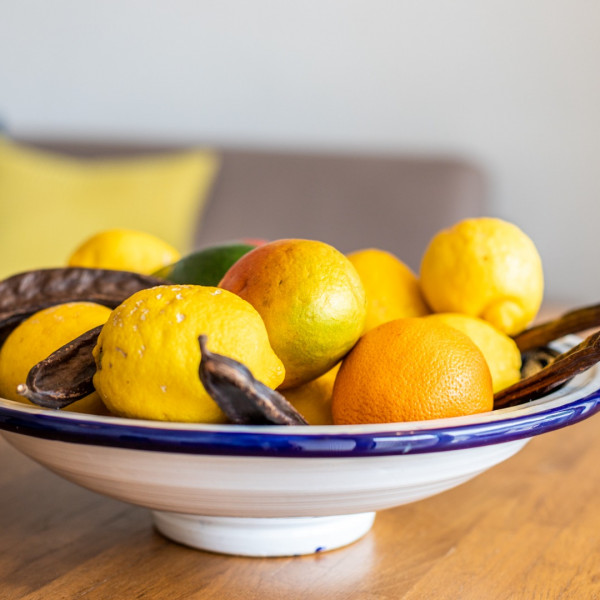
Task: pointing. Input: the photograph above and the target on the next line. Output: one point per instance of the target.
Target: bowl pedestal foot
(289, 536)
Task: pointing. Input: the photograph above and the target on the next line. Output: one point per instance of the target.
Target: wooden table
(528, 528)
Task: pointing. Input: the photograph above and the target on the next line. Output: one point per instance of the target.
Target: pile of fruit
(292, 327)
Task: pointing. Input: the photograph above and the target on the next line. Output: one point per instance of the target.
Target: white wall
(511, 84)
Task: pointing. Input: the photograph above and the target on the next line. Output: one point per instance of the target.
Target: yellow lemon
(500, 351)
(39, 336)
(313, 399)
(124, 250)
(486, 268)
(392, 289)
(311, 299)
(147, 355)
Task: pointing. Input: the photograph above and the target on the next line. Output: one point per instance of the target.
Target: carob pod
(65, 376)
(574, 321)
(26, 293)
(533, 342)
(243, 399)
(536, 359)
(568, 364)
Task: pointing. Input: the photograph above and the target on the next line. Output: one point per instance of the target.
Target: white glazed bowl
(275, 490)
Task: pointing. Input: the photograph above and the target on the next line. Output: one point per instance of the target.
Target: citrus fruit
(485, 268)
(40, 335)
(410, 370)
(313, 399)
(148, 355)
(124, 250)
(392, 289)
(206, 266)
(500, 351)
(311, 299)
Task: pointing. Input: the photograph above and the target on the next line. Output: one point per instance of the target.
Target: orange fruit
(500, 351)
(393, 290)
(311, 299)
(411, 370)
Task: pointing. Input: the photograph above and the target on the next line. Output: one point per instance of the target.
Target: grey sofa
(350, 200)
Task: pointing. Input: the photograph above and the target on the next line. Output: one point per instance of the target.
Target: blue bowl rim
(321, 442)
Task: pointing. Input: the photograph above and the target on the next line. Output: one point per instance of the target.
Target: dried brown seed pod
(242, 398)
(26, 293)
(574, 321)
(536, 359)
(65, 376)
(564, 367)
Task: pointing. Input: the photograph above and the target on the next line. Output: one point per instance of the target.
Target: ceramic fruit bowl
(277, 490)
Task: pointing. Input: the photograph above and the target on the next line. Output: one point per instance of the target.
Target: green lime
(206, 266)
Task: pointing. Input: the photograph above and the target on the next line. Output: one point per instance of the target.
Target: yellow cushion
(49, 204)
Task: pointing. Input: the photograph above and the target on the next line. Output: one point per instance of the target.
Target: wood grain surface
(528, 528)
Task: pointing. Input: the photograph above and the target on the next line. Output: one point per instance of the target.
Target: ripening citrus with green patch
(147, 355)
(311, 299)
